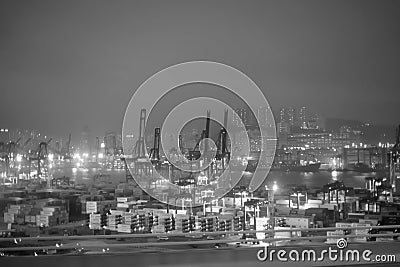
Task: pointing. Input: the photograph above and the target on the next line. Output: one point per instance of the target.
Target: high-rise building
(241, 114)
(314, 122)
(283, 128)
(302, 118)
(282, 115)
(291, 115)
(265, 117)
(288, 114)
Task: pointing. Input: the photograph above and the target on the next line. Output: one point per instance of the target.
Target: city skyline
(13, 133)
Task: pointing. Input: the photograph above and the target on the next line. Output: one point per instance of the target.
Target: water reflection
(309, 179)
(319, 179)
(334, 175)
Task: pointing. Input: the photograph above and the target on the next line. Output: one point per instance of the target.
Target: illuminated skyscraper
(291, 115)
(287, 115)
(241, 114)
(302, 118)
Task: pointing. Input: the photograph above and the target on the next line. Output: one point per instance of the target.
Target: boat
(360, 167)
(292, 166)
(297, 166)
(308, 167)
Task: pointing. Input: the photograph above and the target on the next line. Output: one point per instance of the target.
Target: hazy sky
(67, 64)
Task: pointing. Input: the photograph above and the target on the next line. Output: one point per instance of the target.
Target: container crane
(97, 149)
(26, 143)
(67, 154)
(41, 155)
(140, 150)
(155, 151)
(23, 150)
(222, 147)
(195, 153)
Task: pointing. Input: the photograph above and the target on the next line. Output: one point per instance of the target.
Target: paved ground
(218, 257)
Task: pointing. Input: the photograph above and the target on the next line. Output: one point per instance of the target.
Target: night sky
(67, 64)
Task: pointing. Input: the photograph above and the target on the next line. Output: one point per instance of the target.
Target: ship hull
(312, 167)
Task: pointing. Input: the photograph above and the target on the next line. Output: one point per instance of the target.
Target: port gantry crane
(222, 154)
(22, 149)
(140, 159)
(56, 150)
(63, 151)
(155, 151)
(195, 153)
(97, 149)
(222, 143)
(128, 175)
(40, 156)
(66, 152)
(140, 150)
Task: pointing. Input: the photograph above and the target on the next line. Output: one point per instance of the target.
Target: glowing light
(77, 156)
(102, 145)
(275, 187)
(78, 164)
(85, 155)
(101, 155)
(19, 157)
(51, 157)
